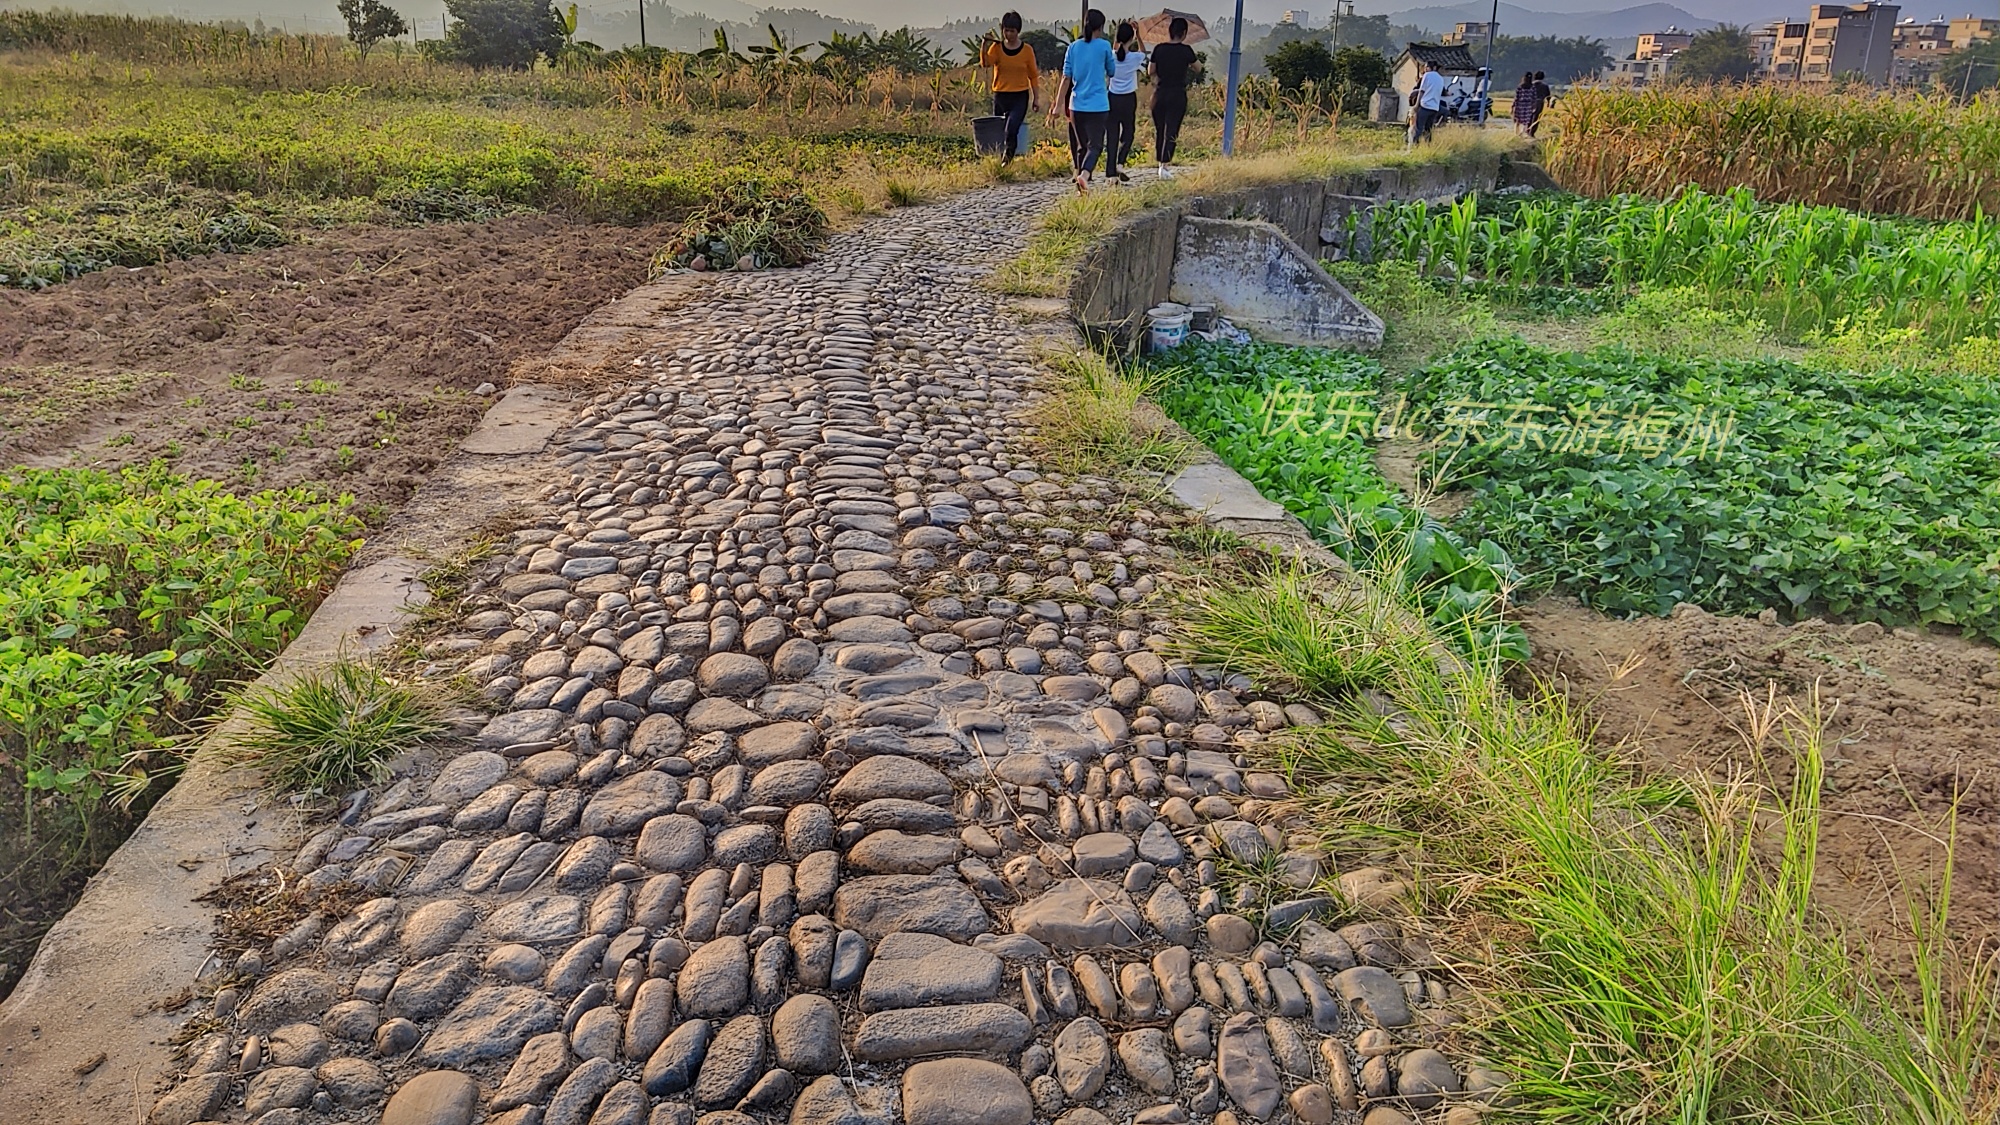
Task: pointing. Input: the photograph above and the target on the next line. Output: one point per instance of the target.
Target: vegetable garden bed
(129, 603)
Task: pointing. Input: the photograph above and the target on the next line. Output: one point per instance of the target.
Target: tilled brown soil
(348, 362)
(1913, 729)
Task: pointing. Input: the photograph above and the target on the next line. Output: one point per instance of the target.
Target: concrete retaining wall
(1267, 285)
(1131, 270)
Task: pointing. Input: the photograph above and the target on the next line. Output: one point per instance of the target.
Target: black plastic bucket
(989, 136)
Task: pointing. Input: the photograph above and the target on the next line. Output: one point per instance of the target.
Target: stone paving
(840, 772)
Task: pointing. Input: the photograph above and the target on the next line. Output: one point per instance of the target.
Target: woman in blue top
(1086, 94)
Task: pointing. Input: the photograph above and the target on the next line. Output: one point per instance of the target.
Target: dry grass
(1048, 263)
(1876, 152)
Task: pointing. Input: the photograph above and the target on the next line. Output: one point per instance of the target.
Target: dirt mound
(348, 362)
(1915, 726)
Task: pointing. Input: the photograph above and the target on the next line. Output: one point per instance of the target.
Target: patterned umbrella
(1153, 29)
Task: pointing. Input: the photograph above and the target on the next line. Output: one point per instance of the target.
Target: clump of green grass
(1092, 422)
(1424, 320)
(1297, 630)
(1865, 344)
(1656, 953)
(331, 727)
(1680, 323)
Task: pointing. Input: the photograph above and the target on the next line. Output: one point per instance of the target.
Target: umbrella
(1153, 29)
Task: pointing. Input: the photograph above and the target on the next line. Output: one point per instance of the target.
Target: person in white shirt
(1127, 62)
(1429, 96)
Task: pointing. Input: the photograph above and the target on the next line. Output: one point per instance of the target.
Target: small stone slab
(521, 422)
(441, 1097)
(1081, 914)
(911, 970)
(965, 1092)
(908, 1033)
(879, 905)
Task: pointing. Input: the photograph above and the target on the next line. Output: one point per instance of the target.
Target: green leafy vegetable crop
(126, 602)
(1640, 481)
(1296, 423)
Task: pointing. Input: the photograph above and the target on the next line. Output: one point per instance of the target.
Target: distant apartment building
(1659, 44)
(1469, 34)
(1637, 73)
(1920, 46)
(1764, 46)
(1971, 29)
(1834, 41)
(1923, 35)
(1298, 16)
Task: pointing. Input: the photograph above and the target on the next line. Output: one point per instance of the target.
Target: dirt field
(1915, 719)
(348, 363)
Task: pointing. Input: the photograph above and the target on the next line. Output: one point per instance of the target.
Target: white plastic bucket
(1166, 326)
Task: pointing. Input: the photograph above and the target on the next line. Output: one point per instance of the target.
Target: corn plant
(1924, 156)
(1803, 268)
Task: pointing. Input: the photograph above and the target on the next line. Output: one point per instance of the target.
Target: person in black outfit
(1173, 64)
(1542, 96)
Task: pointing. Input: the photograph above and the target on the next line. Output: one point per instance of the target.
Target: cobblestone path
(840, 774)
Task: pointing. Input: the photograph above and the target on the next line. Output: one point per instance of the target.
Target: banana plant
(777, 55)
(722, 54)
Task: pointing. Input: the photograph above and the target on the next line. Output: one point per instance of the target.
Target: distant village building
(1297, 16)
(1651, 60)
(1789, 52)
(1452, 60)
(1919, 47)
(1469, 34)
(1636, 73)
(1971, 29)
(1764, 46)
(1659, 44)
(1864, 41)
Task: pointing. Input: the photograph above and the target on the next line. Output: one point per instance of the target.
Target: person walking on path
(1527, 105)
(1017, 82)
(1543, 96)
(1173, 64)
(1428, 98)
(1126, 62)
(1085, 95)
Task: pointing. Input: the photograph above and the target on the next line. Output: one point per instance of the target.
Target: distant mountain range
(1622, 23)
(1564, 18)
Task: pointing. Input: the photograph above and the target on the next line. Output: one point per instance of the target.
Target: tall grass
(1883, 153)
(1652, 949)
(1048, 262)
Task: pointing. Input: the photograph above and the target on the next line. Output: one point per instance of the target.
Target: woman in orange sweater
(1017, 82)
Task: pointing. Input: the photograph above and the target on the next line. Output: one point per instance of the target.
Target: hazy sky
(930, 13)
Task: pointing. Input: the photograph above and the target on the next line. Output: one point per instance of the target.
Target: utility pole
(1486, 84)
(1235, 76)
(642, 25)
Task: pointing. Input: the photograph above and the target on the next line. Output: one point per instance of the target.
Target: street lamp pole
(1486, 84)
(1235, 76)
